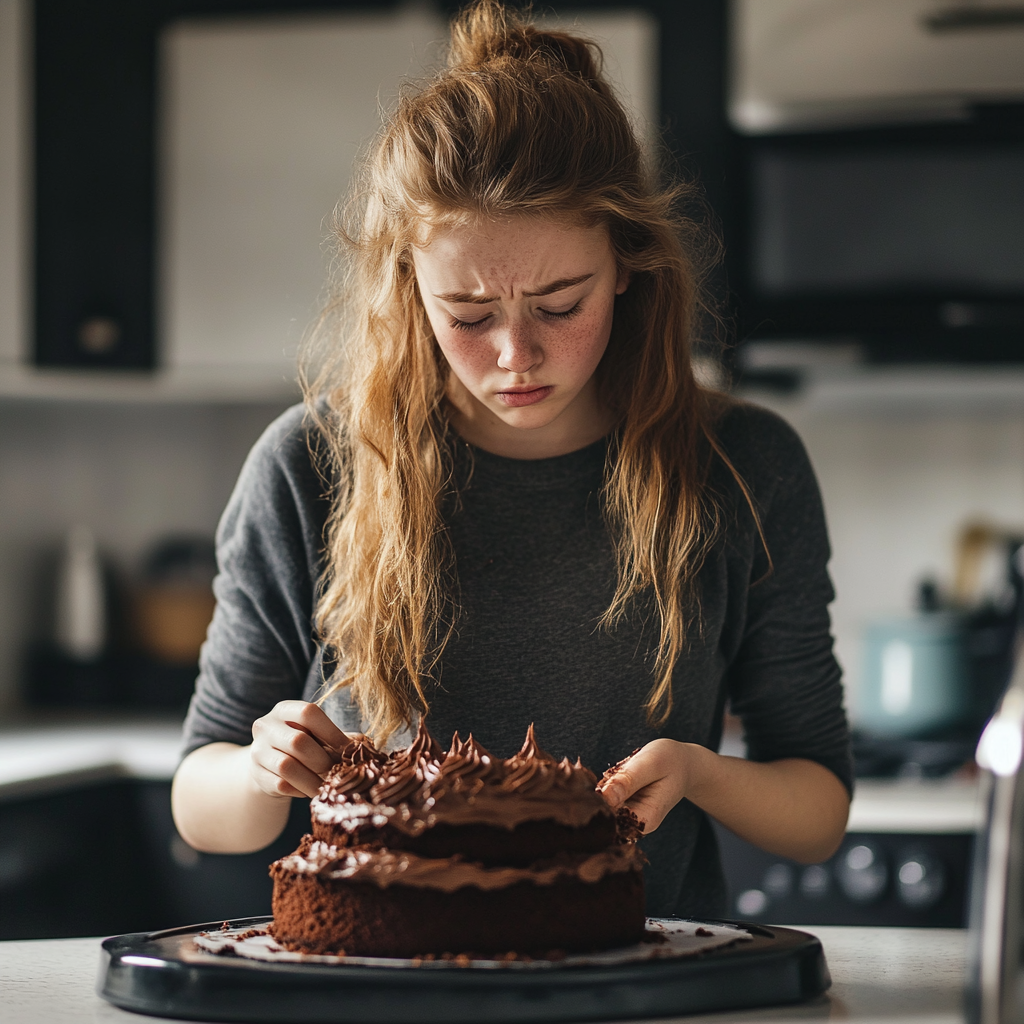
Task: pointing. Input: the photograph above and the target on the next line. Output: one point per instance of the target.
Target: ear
(622, 281)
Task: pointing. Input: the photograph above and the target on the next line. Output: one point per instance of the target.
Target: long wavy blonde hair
(520, 121)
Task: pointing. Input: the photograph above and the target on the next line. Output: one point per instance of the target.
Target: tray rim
(791, 938)
(180, 992)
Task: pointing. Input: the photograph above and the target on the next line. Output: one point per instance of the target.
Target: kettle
(995, 984)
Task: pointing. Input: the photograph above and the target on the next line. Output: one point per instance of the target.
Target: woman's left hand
(792, 807)
(653, 780)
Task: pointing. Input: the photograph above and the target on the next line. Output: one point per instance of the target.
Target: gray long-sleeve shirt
(536, 569)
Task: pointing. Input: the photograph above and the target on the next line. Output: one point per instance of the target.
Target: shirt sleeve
(785, 683)
(260, 647)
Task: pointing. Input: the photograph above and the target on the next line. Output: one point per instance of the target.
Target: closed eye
(466, 325)
(566, 314)
(469, 325)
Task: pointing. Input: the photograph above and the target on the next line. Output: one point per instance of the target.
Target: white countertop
(879, 975)
(37, 758)
(952, 805)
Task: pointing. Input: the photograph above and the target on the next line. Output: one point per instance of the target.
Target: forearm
(794, 807)
(217, 806)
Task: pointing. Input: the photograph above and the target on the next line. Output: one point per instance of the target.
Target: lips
(530, 396)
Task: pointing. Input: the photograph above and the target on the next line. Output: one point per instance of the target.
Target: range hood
(805, 65)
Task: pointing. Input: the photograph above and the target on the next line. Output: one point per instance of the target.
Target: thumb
(618, 784)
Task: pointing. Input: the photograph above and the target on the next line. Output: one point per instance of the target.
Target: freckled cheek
(463, 353)
(582, 343)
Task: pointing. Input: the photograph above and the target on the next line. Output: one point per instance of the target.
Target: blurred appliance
(995, 994)
(879, 160)
(916, 680)
(172, 605)
(905, 861)
(72, 667)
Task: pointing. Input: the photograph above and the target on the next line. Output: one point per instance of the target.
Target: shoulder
(290, 451)
(287, 441)
(281, 480)
(749, 432)
(770, 459)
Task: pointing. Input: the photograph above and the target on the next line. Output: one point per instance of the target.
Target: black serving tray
(164, 974)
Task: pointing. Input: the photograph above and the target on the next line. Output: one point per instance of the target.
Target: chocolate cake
(425, 853)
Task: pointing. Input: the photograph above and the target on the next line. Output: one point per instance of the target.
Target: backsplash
(130, 473)
(897, 485)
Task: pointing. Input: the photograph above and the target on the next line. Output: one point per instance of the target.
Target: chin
(529, 419)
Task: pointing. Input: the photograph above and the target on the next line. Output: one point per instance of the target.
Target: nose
(519, 352)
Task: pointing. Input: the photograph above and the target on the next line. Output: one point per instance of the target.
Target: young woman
(509, 501)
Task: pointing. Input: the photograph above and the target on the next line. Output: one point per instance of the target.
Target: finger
(270, 734)
(650, 806)
(639, 771)
(272, 784)
(296, 774)
(313, 720)
(304, 749)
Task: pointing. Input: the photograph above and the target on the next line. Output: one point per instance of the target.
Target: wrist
(702, 770)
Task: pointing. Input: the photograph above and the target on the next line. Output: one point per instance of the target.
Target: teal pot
(915, 680)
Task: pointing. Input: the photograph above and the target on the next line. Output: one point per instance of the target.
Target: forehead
(526, 246)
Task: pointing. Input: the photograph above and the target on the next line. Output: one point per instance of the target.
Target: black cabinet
(106, 859)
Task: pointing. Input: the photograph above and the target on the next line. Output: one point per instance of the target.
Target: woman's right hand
(288, 756)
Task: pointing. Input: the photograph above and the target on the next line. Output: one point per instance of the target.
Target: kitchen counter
(879, 974)
(45, 755)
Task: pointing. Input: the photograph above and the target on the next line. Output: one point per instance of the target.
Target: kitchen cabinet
(88, 846)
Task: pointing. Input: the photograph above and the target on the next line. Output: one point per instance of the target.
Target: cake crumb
(704, 933)
(655, 938)
(225, 926)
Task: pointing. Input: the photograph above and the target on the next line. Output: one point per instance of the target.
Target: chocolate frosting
(384, 867)
(421, 786)
(360, 765)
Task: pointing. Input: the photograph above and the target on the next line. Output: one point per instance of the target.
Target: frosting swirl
(420, 786)
(408, 770)
(467, 763)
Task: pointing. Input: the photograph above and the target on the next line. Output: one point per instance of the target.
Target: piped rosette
(464, 802)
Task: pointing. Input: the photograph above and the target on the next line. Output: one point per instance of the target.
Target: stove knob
(920, 879)
(815, 882)
(862, 872)
(778, 881)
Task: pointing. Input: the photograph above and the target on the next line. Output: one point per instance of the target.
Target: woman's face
(522, 310)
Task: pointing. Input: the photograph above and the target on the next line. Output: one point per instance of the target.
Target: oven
(905, 861)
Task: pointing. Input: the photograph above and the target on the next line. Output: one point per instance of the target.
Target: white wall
(897, 484)
(262, 121)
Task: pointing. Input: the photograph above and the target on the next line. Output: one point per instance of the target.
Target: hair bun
(488, 31)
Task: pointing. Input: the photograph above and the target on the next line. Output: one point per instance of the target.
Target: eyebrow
(548, 289)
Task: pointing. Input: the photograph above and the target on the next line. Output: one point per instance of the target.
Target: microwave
(906, 239)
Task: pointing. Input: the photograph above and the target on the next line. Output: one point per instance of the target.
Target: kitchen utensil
(915, 676)
(80, 627)
(995, 994)
(163, 973)
(174, 602)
